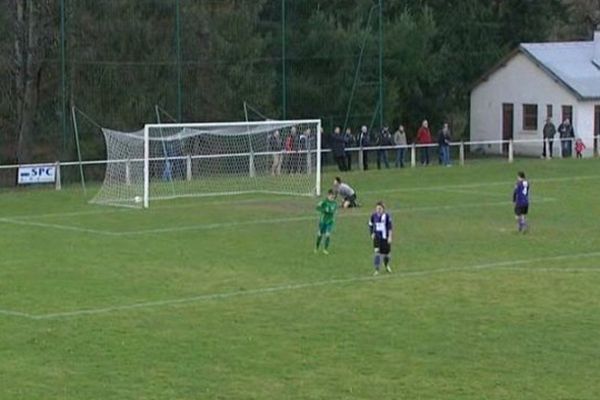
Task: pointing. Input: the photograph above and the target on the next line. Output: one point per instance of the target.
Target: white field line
(484, 184)
(56, 226)
(109, 210)
(500, 265)
(308, 218)
(233, 224)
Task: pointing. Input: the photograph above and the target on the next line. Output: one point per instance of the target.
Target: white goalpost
(165, 161)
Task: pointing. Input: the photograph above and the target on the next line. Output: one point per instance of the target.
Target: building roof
(569, 62)
(572, 64)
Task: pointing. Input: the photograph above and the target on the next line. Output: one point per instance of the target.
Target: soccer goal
(165, 161)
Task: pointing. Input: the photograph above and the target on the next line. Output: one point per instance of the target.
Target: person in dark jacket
(338, 148)
(444, 143)
(349, 142)
(384, 139)
(549, 132)
(364, 142)
(566, 133)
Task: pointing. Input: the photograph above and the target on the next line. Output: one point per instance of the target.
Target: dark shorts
(521, 210)
(382, 246)
(325, 228)
(351, 200)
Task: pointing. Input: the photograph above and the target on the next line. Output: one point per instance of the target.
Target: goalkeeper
(327, 209)
(346, 191)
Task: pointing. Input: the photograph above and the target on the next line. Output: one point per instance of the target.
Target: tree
(33, 35)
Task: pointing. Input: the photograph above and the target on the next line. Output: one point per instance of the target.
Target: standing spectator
(548, 133)
(384, 139)
(424, 138)
(290, 147)
(275, 146)
(364, 142)
(338, 148)
(579, 147)
(302, 149)
(444, 138)
(566, 132)
(400, 140)
(348, 142)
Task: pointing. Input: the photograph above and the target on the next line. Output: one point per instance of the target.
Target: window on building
(530, 117)
(567, 112)
(549, 111)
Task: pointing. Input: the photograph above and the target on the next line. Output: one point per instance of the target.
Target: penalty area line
(512, 265)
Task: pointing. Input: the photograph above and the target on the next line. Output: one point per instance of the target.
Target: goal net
(165, 161)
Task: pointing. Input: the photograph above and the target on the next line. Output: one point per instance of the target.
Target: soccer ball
(137, 199)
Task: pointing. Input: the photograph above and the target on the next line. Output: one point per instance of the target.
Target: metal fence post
(510, 151)
(361, 165)
(57, 182)
(413, 155)
(188, 168)
(461, 152)
(128, 172)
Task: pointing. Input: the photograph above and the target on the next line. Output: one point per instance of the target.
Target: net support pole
(511, 151)
(461, 152)
(76, 132)
(413, 155)
(146, 167)
(318, 155)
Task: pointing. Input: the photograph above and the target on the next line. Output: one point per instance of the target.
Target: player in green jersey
(327, 208)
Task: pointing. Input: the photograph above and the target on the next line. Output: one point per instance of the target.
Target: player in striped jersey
(380, 226)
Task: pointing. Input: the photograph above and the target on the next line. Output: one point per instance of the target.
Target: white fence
(461, 153)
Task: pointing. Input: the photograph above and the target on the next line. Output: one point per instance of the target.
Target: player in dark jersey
(521, 201)
(380, 226)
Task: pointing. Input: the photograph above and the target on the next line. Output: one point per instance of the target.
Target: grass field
(223, 298)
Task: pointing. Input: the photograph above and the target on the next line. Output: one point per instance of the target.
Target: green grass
(234, 306)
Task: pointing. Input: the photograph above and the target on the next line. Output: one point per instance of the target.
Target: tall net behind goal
(166, 161)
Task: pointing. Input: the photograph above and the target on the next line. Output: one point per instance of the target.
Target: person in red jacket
(424, 138)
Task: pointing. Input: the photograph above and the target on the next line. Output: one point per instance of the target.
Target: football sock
(377, 261)
(386, 260)
(319, 237)
(327, 238)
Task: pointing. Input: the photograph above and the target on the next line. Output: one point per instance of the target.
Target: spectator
(579, 147)
(364, 142)
(548, 133)
(566, 132)
(384, 139)
(348, 142)
(290, 148)
(338, 147)
(302, 149)
(424, 139)
(400, 140)
(275, 146)
(444, 138)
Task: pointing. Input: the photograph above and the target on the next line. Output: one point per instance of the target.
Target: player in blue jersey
(380, 226)
(521, 201)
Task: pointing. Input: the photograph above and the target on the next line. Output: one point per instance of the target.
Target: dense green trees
(123, 57)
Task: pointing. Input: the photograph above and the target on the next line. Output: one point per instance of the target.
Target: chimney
(596, 57)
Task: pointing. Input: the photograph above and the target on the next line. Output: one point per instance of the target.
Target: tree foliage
(122, 59)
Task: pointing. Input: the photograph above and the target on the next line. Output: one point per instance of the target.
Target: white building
(538, 80)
